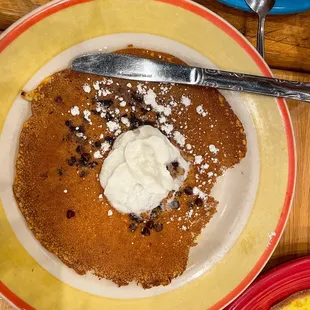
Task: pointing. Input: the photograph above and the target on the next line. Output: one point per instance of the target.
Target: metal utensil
(141, 69)
(262, 8)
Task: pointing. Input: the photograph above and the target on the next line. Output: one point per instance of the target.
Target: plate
(255, 197)
(276, 285)
(281, 6)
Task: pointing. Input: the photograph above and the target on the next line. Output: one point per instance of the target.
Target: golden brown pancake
(57, 187)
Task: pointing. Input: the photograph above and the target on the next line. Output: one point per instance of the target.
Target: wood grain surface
(288, 54)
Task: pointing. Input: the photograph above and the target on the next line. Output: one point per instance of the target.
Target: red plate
(275, 285)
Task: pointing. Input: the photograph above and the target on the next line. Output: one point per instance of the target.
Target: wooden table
(288, 54)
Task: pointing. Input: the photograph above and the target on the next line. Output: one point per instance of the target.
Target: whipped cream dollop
(135, 176)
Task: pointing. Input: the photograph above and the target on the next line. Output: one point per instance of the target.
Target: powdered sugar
(86, 88)
(167, 111)
(150, 99)
(162, 119)
(198, 159)
(213, 149)
(81, 135)
(105, 146)
(75, 110)
(167, 128)
(97, 155)
(125, 121)
(141, 89)
(186, 101)
(87, 116)
(103, 92)
(201, 111)
(179, 138)
(199, 193)
(96, 85)
(113, 126)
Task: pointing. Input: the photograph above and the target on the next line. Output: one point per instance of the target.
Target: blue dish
(281, 6)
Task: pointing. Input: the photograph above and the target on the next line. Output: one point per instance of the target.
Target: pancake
(75, 120)
(297, 301)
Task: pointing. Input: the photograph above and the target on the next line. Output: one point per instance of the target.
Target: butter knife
(142, 69)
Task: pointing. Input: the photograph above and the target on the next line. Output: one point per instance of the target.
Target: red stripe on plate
(275, 285)
(52, 8)
(7, 293)
(24, 24)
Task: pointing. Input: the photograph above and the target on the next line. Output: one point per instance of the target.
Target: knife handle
(254, 84)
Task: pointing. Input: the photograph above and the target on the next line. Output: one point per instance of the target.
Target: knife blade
(134, 68)
(142, 69)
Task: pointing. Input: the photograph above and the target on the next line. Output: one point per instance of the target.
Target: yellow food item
(297, 301)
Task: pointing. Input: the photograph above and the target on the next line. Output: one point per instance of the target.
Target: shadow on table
(276, 260)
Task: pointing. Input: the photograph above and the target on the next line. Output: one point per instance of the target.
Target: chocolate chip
(58, 100)
(191, 204)
(145, 231)
(97, 144)
(108, 116)
(85, 157)
(175, 164)
(83, 174)
(82, 162)
(78, 149)
(136, 218)
(150, 224)
(70, 214)
(198, 202)
(67, 123)
(134, 121)
(174, 169)
(158, 227)
(137, 97)
(59, 171)
(132, 227)
(106, 103)
(188, 190)
(71, 161)
(81, 129)
(178, 193)
(92, 164)
(109, 139)
(156, 211)
(174, 204)
(72, 128)
(23, 93)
